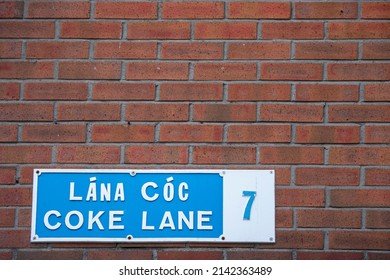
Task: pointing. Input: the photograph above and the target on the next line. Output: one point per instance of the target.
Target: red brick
(156, 154)
(53, 133)
(296, 197)
(259, 133)
(224, 155)
(359, 198)
(359, 155)
(7, 217)
(259, 50)
(126, 50)
(359, 71)
(125, 10)
(291, 113)
(334, 255)
(327, 134)
(291, 155)
(57, 10)
(297, 239)
(282, 175)
(377, 92)
(327, 92)
(327, 176)
(193, 10)
(158, 30)
(326, 50)
(291, 71)
(224, 112)
(258, 255)
(262, 10)
(26, 112)
(88, 154)
(376, 10)
(25, 154)
(91, 29)
(157, 71)
(225, 71)
(53, 50)
(27, 70)
(191, 91)
(11, 9)
(88, 112)
(8, 133)
(24, 216)
(359, 240)
(359, 30)
(284, 218)
(378, 256)
(9, 91)
(330, 10)
(259, 92)
(14, 238)
(90, 70)
(157, 112)
(15, 196)
(44, 254)
(113, 133)
(191, 133)
(55, 91)
(377, 134)
(193, 51)
(377, 219)
(374, 50)
(293, 30)
(377, 177)
(359, 113)
(137, 254)
(26, 29)
(10, 49)
(8, 175)
(190, 255)
(123, 91)
(225, 30)
(325, 218)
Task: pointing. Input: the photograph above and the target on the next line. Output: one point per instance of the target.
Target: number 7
(247, 212)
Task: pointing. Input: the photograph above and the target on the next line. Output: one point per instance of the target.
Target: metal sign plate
(79, 205)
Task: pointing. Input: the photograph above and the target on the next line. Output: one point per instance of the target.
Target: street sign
(80, 205)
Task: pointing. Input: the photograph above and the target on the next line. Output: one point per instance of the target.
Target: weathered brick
(49, 255)
(122, 133)
(126, 50)
(26, 112)
(10, 49)
(55, 91)
(377, 134)
(88, 111)
(291, 155)
(326, 50)
(51, 9)
(333, 255)
(291, 113)
(225, 30)
(377, 177)
(325, 218)
(290, 197)
(359, 198)
(137, 254)
(190, 255)
(262, 10)
(259, 92)
(53, 133)
(126, 10)
(193, 10)
(53, 50)
(157, 112)
(8, 175)
(89, 70)
(27, 29)
(359, 240)
(224, 112)
(358, 71)
(327, 92)
(7, 217)
(259, 50)
(327, 176)
(225, 71)
(259, 133)
(11, 9)
(359, 155)
(191, 91)
(376, 10)
(376, 50)
(15, 196)
(359, 113)
(297, 239)
(158, 30)
(224, 155)
(8, 133)
(291, 71)
(191, 133)
(156, 154)
(258, 255)
(25, 154)
(378, 256)
(157, 71)
(378, 219)
(314, 134)
(293, 30)
(9, 91)
(192, 51)
(123, 91)
(359, 30)
(91, 30)
(26, 70)
(88, 154)
(327, 10)
(14, 238)
(377, 92)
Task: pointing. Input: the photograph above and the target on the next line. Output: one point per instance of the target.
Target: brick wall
(299, 87)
